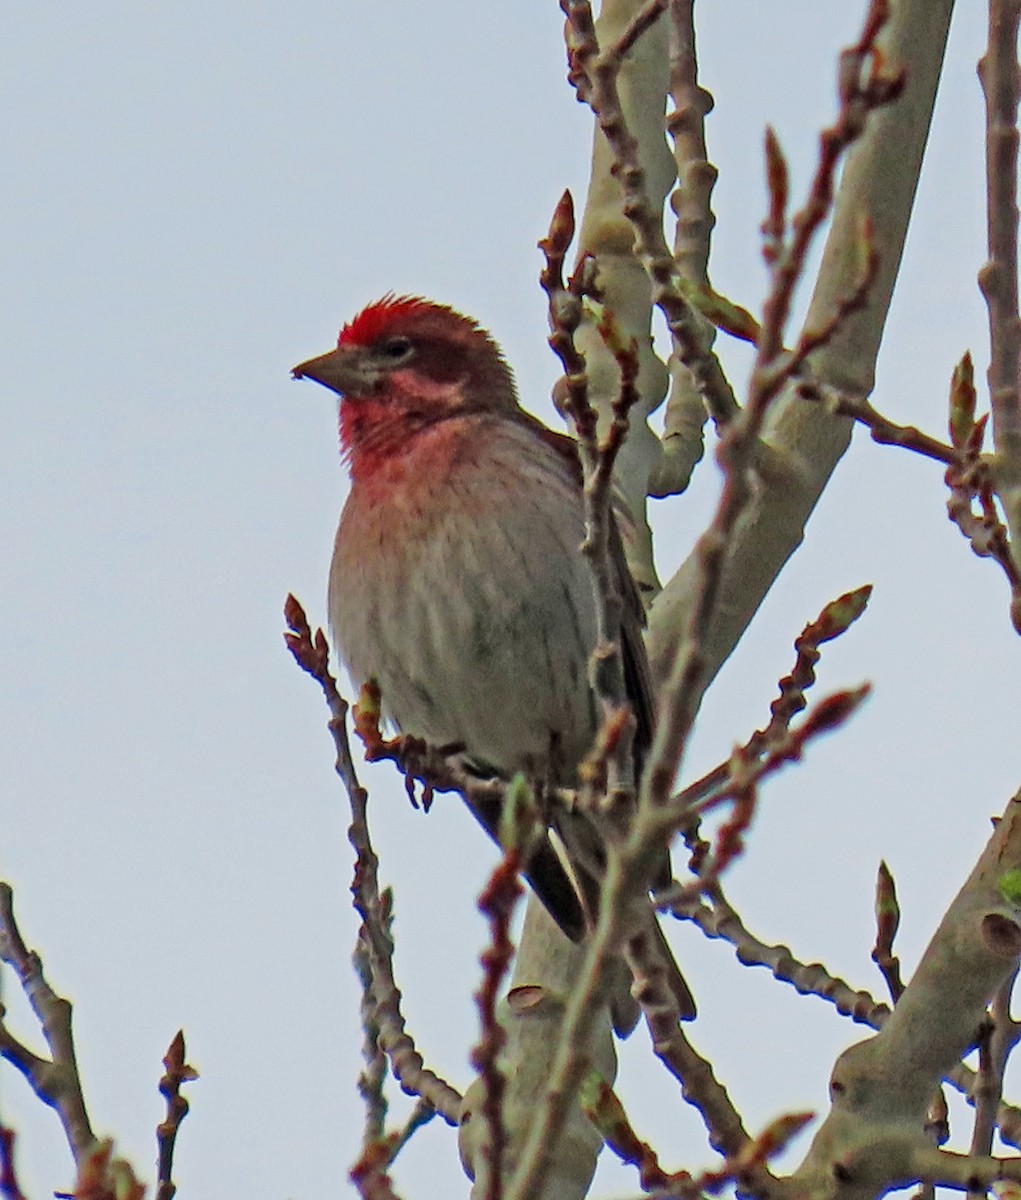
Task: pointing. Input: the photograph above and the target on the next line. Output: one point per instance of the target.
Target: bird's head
(407, 360)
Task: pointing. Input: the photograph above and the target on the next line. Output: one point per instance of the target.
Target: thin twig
(882, 429)
(999, 1036)
(789, 364)
(887, 923)
(421, 1115)
(628, 866)
(177, 1072)
(744, 771)
(860, 95)
(970, 478)
(312, 655)
(998, 278)
(640, 23)
(864, 85)
(598, 457)
(1001, 84)
(704, 1092)
(372, 1080)
(743, 775)
(835, 619)
(626, 875)
(369, 1174)
(719, 919)
(603, 1108)
(498, 901)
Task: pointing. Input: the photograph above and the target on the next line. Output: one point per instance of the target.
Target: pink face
(404, 363)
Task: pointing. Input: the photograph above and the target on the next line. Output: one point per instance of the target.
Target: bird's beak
(343, 371)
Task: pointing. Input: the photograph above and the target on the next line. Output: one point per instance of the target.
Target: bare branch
(835, 619)
(497, 902)
(686, 411)
(721, 920)
(688, 676)
(998, 1037)
(312, 655)
(1001, 84)
(883, 1087)
(598, 457)
(177, 1072)
(882, 429)
(864, 86)
(600, 92)
(805, 442)
(9, 1188)
(55, 1080)
(887, 923)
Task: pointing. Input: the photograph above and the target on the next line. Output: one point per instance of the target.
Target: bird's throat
(376, 434)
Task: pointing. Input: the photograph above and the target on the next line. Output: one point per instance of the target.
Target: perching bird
(457, 580)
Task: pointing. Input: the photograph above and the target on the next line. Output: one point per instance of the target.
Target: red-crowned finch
(457, 580)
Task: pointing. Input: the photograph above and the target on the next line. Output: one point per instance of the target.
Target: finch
(457, 580)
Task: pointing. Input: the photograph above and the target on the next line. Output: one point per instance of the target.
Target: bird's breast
(457, 582)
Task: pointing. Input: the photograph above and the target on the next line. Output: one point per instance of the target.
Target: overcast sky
(195, 197)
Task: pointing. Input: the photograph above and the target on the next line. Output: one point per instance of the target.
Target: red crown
(376, 319)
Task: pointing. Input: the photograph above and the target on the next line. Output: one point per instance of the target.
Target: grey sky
(195, 197)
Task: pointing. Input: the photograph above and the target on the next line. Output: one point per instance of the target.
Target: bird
(457, 581)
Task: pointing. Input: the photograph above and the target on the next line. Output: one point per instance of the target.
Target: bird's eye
(396, 349)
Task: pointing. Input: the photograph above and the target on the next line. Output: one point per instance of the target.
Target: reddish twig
(835, 619)
(9, 1187)
(565, 315)
(828, 714)
(602, 1106)
(882, 429)
(101, 1176)
(970, 480)
(628, 862)
(887, 923)
(969, 475)
(177, 1072)
(369, 1173)
(774, 226)
(434, 768)
(312, 655)
(792, 362)
(719, 919)
(859, 96)
(746, 1167)
(497, 902)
